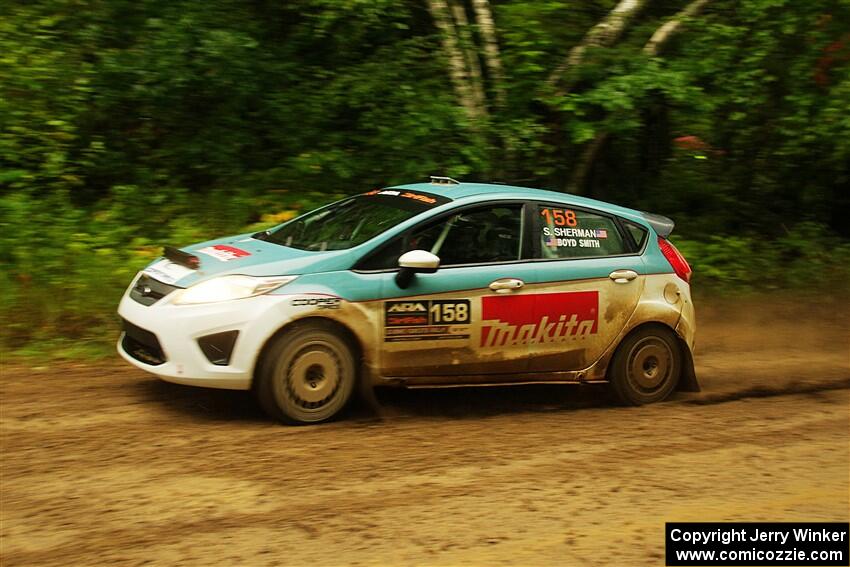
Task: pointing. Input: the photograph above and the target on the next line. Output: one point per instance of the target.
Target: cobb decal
(538, 319)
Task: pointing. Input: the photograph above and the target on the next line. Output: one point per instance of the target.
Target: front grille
(148, 291)
(141, 344)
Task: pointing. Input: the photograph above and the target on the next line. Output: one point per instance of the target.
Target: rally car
(421, 285)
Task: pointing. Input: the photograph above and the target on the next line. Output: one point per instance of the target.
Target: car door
(434, 330)
(590, 279)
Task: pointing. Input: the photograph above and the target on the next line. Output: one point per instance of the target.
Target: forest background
(129, 124)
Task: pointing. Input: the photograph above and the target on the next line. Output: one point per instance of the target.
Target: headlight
(225, 288)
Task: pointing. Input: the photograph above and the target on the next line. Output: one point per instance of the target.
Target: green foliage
(68, 266)
(806, 258)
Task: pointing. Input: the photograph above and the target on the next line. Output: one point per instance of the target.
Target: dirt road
(102, 464)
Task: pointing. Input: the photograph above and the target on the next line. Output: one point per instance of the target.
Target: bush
(806, 257)
(65, 267)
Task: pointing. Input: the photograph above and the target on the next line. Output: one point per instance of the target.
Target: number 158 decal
(450, 311)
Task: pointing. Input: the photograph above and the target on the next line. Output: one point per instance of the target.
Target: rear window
(565, 232)
(637, 232)
(355, 220)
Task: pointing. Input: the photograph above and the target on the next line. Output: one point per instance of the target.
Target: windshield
(353, 221)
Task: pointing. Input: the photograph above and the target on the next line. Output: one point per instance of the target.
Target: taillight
(677, 261)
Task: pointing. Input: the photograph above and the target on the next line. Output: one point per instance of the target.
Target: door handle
(506, 285)
(623, 276)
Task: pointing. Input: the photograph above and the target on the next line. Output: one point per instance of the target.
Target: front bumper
(177, 328)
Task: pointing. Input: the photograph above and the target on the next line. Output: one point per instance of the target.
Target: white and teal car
(423, 285)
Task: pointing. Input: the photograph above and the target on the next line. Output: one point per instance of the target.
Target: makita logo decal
(538, 319)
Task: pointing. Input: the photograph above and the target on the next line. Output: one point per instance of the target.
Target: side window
(474, 236)
(638, 233)
(493, 234)
(572, 233)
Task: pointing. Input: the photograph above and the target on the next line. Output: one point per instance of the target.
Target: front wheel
(646, 366)
(307, 375)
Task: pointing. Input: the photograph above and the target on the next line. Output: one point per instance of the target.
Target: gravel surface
(103, 464)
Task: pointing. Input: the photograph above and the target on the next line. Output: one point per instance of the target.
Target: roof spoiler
(661, 224)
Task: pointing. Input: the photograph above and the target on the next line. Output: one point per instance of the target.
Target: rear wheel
(646, 366)
(307, 375)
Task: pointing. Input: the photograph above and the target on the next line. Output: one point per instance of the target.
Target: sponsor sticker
(224, 252)
(431, 333)
(424, 198)
(406, 313)
(538, 318)
(426, 320)
(317, 302)
(167, 271)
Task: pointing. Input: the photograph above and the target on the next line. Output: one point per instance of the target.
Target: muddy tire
(646, 367)
(306, 375)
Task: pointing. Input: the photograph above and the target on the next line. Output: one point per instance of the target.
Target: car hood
(245, 255)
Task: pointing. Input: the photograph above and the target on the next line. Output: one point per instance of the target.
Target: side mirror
(415, 261)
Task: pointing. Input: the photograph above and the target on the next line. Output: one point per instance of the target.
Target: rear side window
(573, 233)
(638, 233)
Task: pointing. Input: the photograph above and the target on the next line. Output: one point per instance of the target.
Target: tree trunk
(487, 28)
(603, 34)
(671, 26)
(467, 45)
(457, 67)
(661, 36)
(585, 163)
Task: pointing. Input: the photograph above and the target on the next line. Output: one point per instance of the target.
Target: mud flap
(688, 380)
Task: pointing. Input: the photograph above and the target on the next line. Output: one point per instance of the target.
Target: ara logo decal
(405, 307)
(405, 313)
(538, 319)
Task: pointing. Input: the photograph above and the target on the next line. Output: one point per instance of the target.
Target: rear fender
(660, 305)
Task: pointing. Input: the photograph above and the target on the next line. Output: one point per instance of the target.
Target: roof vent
(437, 180)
